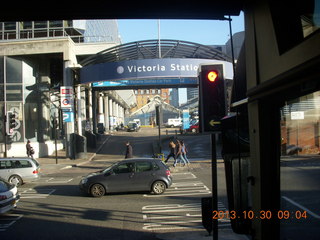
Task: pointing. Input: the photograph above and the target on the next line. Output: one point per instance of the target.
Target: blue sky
(208, 32)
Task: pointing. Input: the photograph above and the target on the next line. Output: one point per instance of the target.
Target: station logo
(120, 70)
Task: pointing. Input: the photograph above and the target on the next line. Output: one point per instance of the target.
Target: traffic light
(212, 97)
(11, 123)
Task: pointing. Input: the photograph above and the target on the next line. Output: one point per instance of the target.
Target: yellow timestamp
(281, 215)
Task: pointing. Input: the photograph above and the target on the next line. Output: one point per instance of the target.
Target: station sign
(66, 97)
(172, 68)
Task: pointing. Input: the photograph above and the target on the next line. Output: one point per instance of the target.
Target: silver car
(8, 196)
(19, 170)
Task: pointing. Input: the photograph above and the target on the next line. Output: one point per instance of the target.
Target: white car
(8, 196)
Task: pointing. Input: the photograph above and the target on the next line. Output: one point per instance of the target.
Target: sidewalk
(52, 164)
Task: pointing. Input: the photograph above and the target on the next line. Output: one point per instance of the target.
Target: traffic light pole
(214, 186)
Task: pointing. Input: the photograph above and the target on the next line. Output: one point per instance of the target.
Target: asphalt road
(54, 208)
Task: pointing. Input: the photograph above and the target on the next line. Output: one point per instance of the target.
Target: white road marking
(9, 220)
(32, 193)
(176, 216)
(301, 207)
(189, 188)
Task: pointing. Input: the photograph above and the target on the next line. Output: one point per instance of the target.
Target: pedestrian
(30, 150)
(172, 148)
(179, 156)
(128, 150)
(184, 152)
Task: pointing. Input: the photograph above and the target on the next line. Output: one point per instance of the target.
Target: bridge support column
(110, 114)
(106, 112)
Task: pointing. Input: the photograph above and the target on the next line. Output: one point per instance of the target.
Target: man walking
(128, 150)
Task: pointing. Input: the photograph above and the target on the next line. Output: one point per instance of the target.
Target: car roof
(139, 159)
(16, 158)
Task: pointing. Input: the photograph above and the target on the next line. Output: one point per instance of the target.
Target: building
(36, 58)
(143, 96)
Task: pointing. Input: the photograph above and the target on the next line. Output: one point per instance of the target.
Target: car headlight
(84, 180)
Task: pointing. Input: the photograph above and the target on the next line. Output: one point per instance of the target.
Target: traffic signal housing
(10, 123)
(212, 97)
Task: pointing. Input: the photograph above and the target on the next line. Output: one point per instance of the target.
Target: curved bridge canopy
(150, 63)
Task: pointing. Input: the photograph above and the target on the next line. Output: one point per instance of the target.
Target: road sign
(68, 117)
(66, 96)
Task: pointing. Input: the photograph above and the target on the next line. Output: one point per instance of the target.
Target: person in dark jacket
(128, 150)
(172, 147)
(30, 150)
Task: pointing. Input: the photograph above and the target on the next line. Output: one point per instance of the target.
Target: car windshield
(132, 124)
(109, 168)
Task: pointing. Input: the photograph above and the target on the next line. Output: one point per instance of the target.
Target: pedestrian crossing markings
(176, 216)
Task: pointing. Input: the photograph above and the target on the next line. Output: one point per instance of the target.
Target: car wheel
(97, 190)
(16, 180)
(158, 187)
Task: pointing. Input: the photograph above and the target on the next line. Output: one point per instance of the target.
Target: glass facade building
(78, 30)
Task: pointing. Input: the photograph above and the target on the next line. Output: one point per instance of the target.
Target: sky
(207, 32)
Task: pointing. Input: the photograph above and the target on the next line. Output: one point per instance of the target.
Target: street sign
(297, 115)
(66, 96)
(68, 117)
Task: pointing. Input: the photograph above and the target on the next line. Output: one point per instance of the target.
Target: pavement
(51, 164)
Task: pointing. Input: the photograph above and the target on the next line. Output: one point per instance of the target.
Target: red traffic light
(212, 75)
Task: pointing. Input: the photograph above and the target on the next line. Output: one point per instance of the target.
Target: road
(54, 208)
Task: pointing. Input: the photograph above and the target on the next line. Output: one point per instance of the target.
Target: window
(155, 166)
(294, 23)
(143, 166)
(300, 168)
(5, 164)
(124, 168)
(25, 164)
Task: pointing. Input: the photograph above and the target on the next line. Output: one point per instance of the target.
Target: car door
(120, 178)
(144, 175)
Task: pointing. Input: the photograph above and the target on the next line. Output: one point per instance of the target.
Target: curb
(89, 159)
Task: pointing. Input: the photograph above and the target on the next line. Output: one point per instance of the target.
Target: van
(19, 170)
(174, 122)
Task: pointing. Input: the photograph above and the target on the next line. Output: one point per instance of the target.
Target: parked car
(19, 170)
(132, 127)
(8, 196)
(194, 128)
(127, 176)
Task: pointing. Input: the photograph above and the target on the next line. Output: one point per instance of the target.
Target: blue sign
(186, 119)
(172, 68)
(68, 116)
(145, 82)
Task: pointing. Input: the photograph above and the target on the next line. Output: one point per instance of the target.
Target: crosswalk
(7, 220)
(185, 184)
(176, 216)
(35, 193)
(167, 217)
